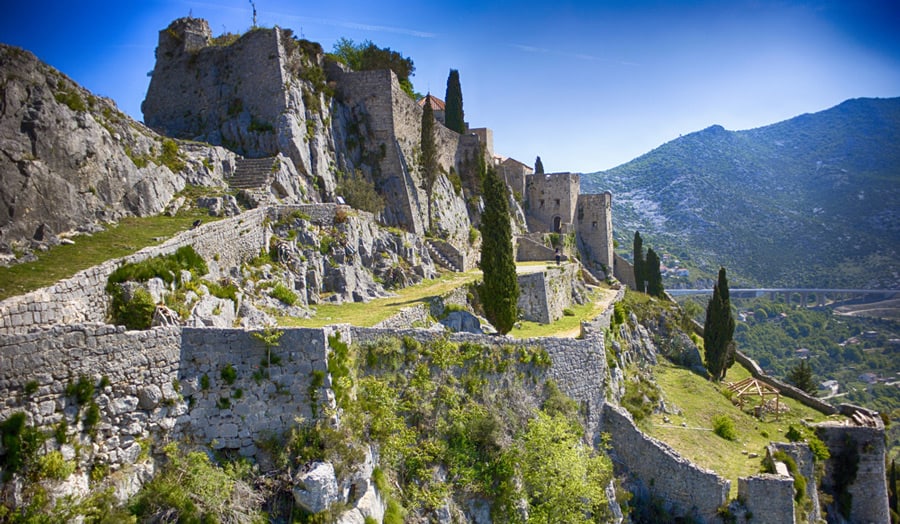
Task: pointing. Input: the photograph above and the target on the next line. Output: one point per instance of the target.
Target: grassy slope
(63, 261)
(701, 400)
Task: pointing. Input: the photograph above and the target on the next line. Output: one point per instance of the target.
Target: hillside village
(266, 135)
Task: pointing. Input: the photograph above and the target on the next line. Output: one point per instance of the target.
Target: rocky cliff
(70, 160)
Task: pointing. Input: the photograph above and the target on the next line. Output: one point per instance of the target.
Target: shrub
(20, 443)
(136, 313)
(723, 426)
(82, 390)
(282, 293)
(171, 156)
(31, 387)
(54, 466)
(229, 374)
(793, 434)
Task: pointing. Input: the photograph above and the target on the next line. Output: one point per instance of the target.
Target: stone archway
(557, 224)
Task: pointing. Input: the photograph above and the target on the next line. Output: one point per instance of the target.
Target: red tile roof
(436, 103)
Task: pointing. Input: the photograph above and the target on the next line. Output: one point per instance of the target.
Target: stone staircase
(439, 257)
(252, 173)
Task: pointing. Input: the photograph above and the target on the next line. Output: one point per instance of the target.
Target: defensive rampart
(685, 488)
(82, 298)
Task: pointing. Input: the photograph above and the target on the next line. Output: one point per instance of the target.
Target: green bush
(229, 374)
(136, 313)
(20, 443)
(723, 426)
(82, 390)
(54, 466)
(166, 267)
(284, 294)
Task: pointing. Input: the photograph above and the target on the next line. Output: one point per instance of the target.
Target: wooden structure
(751, 387)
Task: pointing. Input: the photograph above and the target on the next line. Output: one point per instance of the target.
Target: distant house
(869, 378)
(803, 352)
(831, 386)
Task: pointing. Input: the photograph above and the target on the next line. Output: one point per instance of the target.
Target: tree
(802, 377)
(367, 56)
(500, 290)
(653, 274)
(428, 161)
(638, 250)
(453, 104)
(538, 166)
(718, 330)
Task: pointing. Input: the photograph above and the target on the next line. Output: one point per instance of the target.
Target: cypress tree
(454, 118)
(428, 161)
(538, 166)
(500, 290)
(892, 489)
(718, 330)
(638, 250)
(653, 274)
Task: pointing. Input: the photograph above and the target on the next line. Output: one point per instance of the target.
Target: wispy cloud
(357, 25)
(349, 24)
(578, 56)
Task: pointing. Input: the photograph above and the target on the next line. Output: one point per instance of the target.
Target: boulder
(462, 321)
(317, 489)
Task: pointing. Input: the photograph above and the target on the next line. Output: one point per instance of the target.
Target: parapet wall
(82, 298)
(685, 488)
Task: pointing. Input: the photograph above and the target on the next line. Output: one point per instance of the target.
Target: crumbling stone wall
(768, 497)
(685, 488)
(860, 449)
(83, 298)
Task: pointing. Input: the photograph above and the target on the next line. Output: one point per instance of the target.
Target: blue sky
(587, 85)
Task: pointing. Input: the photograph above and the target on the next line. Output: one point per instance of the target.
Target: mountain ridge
(819, 187)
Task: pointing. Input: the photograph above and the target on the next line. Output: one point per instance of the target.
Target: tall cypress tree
(454, 118)
(718, 330)
(500, 290)
(638, 251)
(538, 166)
(428, 161)
(653, 274)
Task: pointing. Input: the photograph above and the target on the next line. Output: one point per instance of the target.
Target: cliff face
(71, 160)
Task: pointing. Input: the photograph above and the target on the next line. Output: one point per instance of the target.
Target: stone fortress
(154, 380)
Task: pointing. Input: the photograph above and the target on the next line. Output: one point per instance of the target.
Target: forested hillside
(811, 201)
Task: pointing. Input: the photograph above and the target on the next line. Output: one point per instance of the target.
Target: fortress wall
(579, 365)
(864, 449)
(770, 498)
(686, 488)
(269, 391)
(140, 400)
(156, 387)
(83, 298)
(593, 221)
(623, 271)
(193, 88)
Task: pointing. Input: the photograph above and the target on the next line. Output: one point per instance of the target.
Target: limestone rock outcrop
(70, 160)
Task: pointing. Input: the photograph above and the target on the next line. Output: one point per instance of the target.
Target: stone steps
(251, 173)
(439, 258)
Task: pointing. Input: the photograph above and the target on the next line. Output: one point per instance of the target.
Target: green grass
(370, 313)
(567, 325)
(60, 262)
(701, 401)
